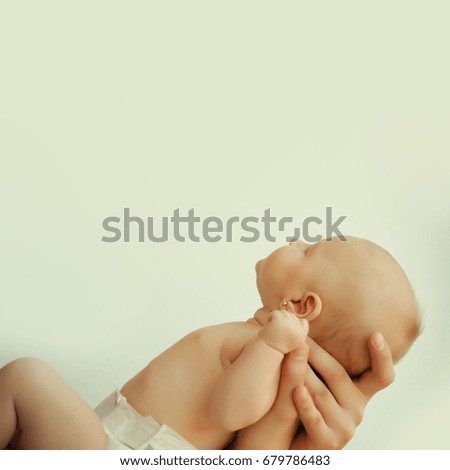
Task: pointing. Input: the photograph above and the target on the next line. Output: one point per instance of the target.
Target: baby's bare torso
(174, 388)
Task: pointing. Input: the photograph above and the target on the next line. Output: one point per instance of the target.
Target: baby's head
(347, 290)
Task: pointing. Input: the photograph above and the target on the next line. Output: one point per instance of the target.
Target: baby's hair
(417, 325)
(344, 297)
(343, 334)
(338, 338)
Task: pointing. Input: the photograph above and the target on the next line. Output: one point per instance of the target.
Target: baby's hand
(284, 331)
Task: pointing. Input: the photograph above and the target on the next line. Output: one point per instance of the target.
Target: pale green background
(229, 108)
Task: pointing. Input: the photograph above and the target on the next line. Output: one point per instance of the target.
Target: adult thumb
(294, 367)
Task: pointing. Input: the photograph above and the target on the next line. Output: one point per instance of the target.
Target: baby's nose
(298, 243)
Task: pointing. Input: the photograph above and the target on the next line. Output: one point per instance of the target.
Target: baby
(220, 379)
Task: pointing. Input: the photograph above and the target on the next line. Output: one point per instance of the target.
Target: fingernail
(378, 341)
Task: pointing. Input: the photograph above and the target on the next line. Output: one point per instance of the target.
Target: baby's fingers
(305, 325)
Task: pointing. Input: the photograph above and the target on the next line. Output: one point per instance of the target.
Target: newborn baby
(220, 379)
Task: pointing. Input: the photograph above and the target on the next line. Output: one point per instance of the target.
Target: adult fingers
(294, 368)
(293, 373)
(341, 422)
(335, 377)
(331, 411)
(382, 373)
(315, 428)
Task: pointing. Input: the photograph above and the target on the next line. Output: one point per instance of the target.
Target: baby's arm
(247, 388)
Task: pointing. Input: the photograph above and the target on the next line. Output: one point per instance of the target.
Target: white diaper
(125, 428)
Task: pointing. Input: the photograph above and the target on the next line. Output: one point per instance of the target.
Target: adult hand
(277, 428)
(330, 411)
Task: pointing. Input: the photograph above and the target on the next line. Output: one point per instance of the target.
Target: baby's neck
(261, 317)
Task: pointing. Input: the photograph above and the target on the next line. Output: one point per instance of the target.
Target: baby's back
(176, 386)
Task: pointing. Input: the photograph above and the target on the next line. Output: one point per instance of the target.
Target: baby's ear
(309, 306)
